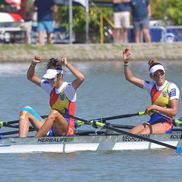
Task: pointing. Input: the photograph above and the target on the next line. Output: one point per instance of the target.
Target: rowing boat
(110, 137)
(93, 142)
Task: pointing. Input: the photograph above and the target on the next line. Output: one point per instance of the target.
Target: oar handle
(177, 122)
(1, 124)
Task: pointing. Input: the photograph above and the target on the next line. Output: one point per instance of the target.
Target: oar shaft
(140, 137)
(126, 133)
(120, 116)
(17, 121)
(13, 132)
(11, 126)
(131, 126)
(81, 119)
(163, 115)
(123, 126)
(176, 122)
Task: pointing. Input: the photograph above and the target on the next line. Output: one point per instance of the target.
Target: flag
(82, 2)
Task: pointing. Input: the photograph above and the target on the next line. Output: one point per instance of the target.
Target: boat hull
(85, 143)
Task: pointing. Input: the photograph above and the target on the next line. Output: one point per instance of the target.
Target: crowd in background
(140, 11)
(125, 14)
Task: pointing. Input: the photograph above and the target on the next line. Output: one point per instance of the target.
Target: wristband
(126, 65)
(33, 65)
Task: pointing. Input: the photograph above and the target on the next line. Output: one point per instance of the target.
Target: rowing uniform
(161, 96)
(62, 99)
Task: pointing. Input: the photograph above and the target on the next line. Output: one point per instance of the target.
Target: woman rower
(164, 97)
(62, 100)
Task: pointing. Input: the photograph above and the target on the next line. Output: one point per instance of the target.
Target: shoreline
(91, 52)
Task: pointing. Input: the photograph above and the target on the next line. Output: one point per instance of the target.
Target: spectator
(45, 12)
(121, 19)
(141, 13)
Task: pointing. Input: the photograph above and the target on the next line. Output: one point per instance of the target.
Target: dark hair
(54, 64)
(152, 62)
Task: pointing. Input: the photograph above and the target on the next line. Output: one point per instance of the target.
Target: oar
(175, 121)
(79, 121)
(14, 132)
(120, 116)
(139, 137)
(10, 123)
(129, 127)
(103, 125)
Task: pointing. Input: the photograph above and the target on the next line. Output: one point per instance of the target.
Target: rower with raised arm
(164, 97)
(62, 100)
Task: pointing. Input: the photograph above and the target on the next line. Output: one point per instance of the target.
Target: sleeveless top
(160, 97)
(62, 100)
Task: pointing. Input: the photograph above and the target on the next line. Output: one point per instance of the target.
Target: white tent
(10, 17)
(15, 2)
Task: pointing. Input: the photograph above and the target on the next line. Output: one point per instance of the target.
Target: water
(104, 93)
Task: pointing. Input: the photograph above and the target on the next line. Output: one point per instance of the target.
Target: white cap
(51, 73)
(156, 67)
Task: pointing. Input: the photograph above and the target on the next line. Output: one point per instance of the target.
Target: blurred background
(85, 21)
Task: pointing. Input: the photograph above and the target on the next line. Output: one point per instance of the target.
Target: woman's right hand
(37, 59)
(126, 55)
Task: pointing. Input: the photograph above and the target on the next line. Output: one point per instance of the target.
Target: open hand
(126, 55)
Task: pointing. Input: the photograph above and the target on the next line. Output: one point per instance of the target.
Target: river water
(104, 93)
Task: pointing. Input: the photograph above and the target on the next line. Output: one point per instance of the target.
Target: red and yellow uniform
(63, 100)
(161, 96)
(61, 103)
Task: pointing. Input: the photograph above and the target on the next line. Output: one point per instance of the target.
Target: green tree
(168, 9)
(79, 21)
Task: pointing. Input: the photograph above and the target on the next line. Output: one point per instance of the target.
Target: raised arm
(120, 1)
(116, 1)
(127, 71)
(31, 71)
(79, 76)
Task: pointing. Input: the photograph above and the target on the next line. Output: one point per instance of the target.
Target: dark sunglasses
(49, 80)
(158, 73)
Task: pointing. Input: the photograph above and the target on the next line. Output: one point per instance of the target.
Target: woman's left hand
(64, 61)
(126, 55)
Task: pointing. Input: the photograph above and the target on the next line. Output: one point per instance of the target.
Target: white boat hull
(84, 143)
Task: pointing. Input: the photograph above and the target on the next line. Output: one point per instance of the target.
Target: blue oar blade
(179, 146)
(179, 150)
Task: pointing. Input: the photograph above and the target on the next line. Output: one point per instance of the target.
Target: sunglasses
(158, 73)
(52, 79)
